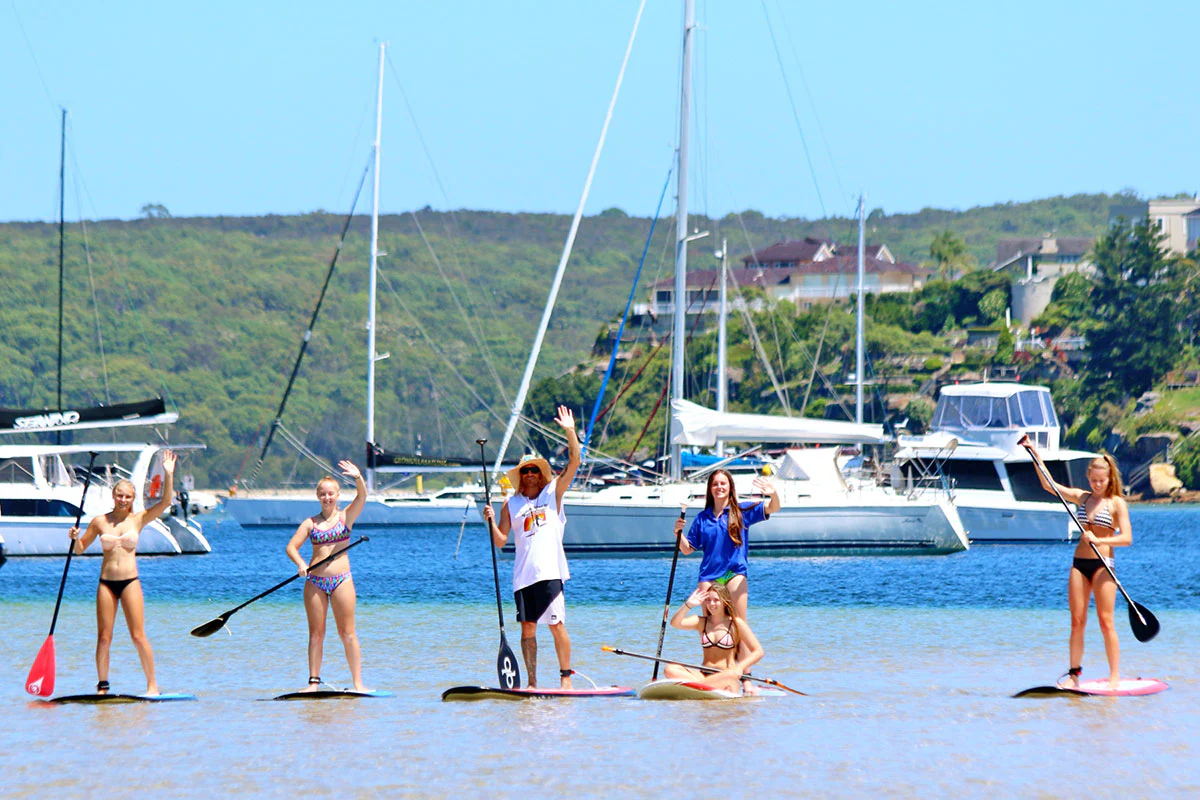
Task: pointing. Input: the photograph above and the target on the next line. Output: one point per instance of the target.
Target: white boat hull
(256, 512)
(1015, 523)
(885, 525)
(47, 536)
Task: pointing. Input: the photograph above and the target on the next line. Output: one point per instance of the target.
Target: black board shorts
(533, 600)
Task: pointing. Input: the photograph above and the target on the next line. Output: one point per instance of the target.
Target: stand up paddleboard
(104, 699)
(1128, 687)
(676, 689)
(492, 693)
(332, 694)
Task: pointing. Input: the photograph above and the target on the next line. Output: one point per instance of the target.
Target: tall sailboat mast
(723, 308)
(62, 215)
(858, 332)
(371, 356)
(678, 343)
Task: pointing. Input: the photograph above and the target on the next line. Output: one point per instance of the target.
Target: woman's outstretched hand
(168, 461)
(349, 469)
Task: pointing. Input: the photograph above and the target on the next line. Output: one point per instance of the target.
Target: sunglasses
(529, 471)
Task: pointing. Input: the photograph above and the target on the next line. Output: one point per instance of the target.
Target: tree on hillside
(155, 211)
(1070, 306)
(950, 254)
(1135, 334)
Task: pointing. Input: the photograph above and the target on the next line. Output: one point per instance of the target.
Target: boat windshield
(971, 411)
(16, 470)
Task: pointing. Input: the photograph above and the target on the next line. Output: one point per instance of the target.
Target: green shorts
(727, 577)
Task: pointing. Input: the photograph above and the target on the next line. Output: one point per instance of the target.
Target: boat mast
(722, 382)
(678, 343)
(62, 194)
(858, 333)
(371, 356)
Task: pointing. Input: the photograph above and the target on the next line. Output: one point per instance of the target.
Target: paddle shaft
(87, 481)
(1046, 473)
(667, 607)
(487, 500)
(708, 670)
(311, 567)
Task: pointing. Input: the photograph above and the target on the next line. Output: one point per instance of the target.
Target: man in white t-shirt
(535, 516)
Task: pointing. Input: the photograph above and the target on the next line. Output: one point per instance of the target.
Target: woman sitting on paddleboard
(729, 646)
(1104, 516)
(119, 585)
(720, 531)
(331, 584)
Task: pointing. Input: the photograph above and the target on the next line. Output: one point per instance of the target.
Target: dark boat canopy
(147, 412)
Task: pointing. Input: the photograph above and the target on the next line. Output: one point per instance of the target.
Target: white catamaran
(822, 513)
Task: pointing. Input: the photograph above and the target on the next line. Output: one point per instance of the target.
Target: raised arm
(683, 619)
(767, 489)
(566, 421)
(360, 488)
(168, 490)
(1068, 493)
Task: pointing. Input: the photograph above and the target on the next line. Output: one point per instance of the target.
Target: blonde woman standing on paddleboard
(118, 531)
(1104, 515)
(330, 584)
(730, 647)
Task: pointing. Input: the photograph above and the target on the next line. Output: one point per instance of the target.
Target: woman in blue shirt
(720, 531)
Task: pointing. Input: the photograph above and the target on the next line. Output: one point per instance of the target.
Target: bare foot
(151, 691)
(1114, 682)
(312, 687)
(565, 683)
(749, 688)
(1068, 682)
(358, 687)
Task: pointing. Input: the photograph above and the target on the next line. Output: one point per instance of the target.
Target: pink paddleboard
(1128, 687)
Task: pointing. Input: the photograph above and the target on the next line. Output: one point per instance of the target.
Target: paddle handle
(87, 481)
(707, 670)
(662, 633)
(1028, 445)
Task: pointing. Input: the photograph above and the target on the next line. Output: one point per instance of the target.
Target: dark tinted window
(1025, 484)
(30, 507)
(961, 474)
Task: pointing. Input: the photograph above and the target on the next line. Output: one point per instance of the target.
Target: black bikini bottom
(117, 587)
(1088, 567)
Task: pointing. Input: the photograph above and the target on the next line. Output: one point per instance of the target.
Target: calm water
(910, 663)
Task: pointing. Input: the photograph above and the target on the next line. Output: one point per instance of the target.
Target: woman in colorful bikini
(1104, 515)
(331, 584)
(118, 531)
(730, 647)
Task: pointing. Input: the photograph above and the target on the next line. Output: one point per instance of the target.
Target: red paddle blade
(40, 682)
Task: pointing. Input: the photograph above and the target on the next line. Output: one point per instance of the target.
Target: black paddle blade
(210, 627)
(506, 666)
(1145, 630)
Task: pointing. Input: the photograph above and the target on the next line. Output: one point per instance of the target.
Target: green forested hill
(209, 312)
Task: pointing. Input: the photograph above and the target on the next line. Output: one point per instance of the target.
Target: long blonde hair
(1107, 462)
(722, 592)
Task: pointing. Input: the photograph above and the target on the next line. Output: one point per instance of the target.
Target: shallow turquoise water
(909, 663)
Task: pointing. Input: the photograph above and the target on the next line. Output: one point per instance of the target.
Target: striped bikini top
(1103, 516)
(338, 533)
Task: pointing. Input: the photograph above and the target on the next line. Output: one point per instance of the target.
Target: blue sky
(267, 107)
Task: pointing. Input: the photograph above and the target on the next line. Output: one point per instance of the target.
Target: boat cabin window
(961, 473)
(16, 470)
(1027, 488)
(970, 411)
(37, 507)
(1027, 409)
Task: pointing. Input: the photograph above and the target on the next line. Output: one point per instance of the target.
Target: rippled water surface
(909, 663)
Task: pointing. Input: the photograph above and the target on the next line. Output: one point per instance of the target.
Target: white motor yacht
(972, 452)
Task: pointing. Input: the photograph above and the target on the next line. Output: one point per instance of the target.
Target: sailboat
(452, 505)
(822, 513)
(41, 484)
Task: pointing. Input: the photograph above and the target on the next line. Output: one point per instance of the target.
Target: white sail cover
(692, 424)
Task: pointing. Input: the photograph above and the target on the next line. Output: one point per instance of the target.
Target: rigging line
(566, 253)
(450, 212)
(587, 434)
(555, 435)
(312, 322)
(795, 115)
(483, 404)
(744, 310)
(87, 252)
(811, 102)
(36, 66)
(304, 450)
(137, 318)
(467, 318)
